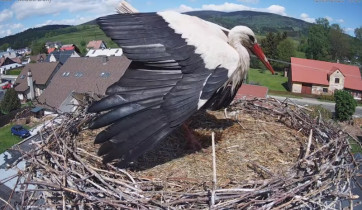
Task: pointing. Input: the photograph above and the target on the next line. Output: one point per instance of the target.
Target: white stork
(180, 64)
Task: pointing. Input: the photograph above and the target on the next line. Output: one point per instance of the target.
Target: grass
(273, 82)
(355, 147)
(14, 71)
(7, 139)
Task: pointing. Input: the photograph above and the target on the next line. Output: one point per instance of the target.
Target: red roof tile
(95, 44)
(251, 91)
(316, 72)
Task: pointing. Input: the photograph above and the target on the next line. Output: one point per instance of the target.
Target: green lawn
(87, 33)
(273, 82)
(7, 139)
(14, 71)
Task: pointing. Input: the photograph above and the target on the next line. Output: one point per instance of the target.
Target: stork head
(246, 37)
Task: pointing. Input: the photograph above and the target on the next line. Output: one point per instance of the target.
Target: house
(96, 44)
(53, 45)
(323, 78)
(105, 52)
(8, 54)
(51, 49)
(37, 58)
(247, 91)
(34, 79)
(61, 56)
(82, 75)
(7, 63)
(69, 47)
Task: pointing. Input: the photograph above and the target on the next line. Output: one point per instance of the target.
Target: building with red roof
(67, 47)
(247, 91)
(96, 44)
(320, 77)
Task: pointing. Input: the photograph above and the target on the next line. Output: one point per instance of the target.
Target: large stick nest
(268, 155)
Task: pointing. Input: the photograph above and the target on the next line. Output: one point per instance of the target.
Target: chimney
(31, 95)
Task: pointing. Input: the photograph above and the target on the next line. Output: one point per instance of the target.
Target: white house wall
(336, 86)
(296, 88)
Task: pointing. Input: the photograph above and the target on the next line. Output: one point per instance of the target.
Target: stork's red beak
(260, 54)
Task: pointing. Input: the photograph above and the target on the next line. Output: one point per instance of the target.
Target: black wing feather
(158, 92)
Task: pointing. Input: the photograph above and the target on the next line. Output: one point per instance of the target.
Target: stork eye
(251, 38)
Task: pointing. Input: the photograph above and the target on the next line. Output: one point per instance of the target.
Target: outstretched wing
(160, 90)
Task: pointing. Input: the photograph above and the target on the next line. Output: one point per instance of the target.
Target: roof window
(105, 74)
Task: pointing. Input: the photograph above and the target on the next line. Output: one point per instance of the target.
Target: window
(65, 74)
(22, 76)
(325, 90)
(78, 74)
(336, 80)
(105, 74)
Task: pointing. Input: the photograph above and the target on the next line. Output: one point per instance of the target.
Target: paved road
(312, 101)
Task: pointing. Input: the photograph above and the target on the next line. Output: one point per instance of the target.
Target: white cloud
(340, 21)
(348, 30)
(226, 7)
(249, 1)
(231, 7)
(23, 9)
(5, 15)
(305, 17)
(276, 9)
(5, 32)
(183, 8)
(330, 19)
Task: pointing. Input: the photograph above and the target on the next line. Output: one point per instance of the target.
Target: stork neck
(244, 61)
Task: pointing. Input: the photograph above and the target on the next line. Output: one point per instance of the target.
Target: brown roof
(251, 91)
(84, 75)
(41, 73)
(95, 44)
(316, 72)
(38, 57)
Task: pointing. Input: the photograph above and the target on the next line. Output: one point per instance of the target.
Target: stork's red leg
(191, 140)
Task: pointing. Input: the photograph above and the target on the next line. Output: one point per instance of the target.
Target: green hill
(260, 22)
(24, 39)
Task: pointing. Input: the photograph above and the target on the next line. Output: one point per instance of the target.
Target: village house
(96, 44)
(37, 58)
(53, 45)
(105, 52)
(82, 75)
(247, 91)
(67, 47)
(34, 79)
(323, 78)
(61, 56)
(7, 64)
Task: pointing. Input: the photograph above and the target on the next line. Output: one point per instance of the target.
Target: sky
(19, 15)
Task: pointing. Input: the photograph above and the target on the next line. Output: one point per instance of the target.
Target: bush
(345, 105)
(10, 101)
(327, 97)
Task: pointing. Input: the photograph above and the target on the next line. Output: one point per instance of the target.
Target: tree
(38, 48)
(285, 50)
(10, 101)
(345, 105)
(4, 47)
(358, 33)
(339, 45)
(318, 44)
(270, 44)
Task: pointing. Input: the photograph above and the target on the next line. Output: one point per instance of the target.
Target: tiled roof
(251, 91)
(61, 56)
(38, 57)
(41, 73)
(95, 44)
(84, 75)
(316, 72)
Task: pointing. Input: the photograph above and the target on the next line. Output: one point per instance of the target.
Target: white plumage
(180, 64)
